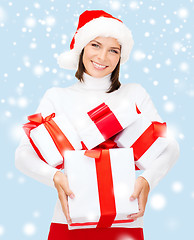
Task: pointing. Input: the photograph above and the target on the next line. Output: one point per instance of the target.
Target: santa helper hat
(92, 24)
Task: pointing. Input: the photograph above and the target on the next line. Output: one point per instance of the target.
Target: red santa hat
(92, 24)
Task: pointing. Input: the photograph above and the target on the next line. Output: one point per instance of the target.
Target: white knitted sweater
(77, 100)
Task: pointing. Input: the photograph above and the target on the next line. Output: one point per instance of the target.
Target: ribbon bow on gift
(60, 140)
(97, 151)
(36, 120)
(102, 116)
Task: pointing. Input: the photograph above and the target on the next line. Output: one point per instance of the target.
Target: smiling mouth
(98, 66)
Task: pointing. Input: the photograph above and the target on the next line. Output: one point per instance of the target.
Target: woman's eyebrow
(101, 44)
(116, 48)
(96, 42)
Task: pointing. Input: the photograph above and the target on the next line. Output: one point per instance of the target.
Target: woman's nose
(102, 54)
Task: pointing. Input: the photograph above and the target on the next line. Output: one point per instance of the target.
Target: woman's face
(101, 56)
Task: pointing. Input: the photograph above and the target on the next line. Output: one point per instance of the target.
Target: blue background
(32, 33)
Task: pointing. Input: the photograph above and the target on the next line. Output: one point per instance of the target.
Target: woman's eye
(114, 51)
(95, 45)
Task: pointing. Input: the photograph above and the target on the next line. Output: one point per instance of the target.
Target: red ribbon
(105, 120)
(105, 185)
(105, 182)
(94, 223)
(59, 139)
(149, 136)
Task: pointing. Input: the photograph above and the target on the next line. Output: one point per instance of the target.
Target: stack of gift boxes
(99, 160)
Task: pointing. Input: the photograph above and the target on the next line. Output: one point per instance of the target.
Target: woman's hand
(62, 186)
(141, 191)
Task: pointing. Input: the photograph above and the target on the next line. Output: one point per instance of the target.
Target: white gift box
(132, 134)
(47, 145)
(85, 208)
(106, 120)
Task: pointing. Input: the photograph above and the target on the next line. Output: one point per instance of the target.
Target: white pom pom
(68, 60)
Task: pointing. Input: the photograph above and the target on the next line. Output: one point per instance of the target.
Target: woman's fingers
(61, 181)
(141, 192)
(65, 187)
(62, 186)
(136, 192)
(64, 204)
(142, 204)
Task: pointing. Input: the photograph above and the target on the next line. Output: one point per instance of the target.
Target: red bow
(38, 119)
(60, 140)
(103, 117)
(97, 151)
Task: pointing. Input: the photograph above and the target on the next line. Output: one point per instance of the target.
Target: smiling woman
(100, 48)
(100, 56)
(101, 43)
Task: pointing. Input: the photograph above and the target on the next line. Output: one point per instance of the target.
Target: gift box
(51, 136)
(102, 181)
(106, 120)
(146, 138)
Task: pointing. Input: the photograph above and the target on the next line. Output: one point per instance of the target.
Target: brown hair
(114, 76)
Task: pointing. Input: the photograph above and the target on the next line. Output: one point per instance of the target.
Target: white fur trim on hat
(102, 26)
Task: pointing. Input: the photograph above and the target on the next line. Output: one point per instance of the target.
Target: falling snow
(177, 187)
(3, 15)
(30, 22)
(134, 5)
(183, 13)
(169, 107)
(29, 229)
(33, 34)
(157, 201)
(138, 55)
(115, 5)
(2, 230)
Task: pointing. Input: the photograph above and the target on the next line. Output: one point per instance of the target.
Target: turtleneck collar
(93, 83)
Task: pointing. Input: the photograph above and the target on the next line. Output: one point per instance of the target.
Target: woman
(100, 44)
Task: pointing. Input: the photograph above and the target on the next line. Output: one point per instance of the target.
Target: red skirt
(60, 232)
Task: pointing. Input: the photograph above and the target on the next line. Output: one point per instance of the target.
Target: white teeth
(99, 66)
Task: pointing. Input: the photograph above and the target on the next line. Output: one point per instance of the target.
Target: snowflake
(38, 70)
(152, 21)
(8, 114)
(36, 5)
(33, 45)
(177, 187)
(176, 80)
(115, 5)
(22, 102)
(147, 34)
(188, 36)
(50, 21)
(168, 21)
(146, 70)
(9, 175)
(30, 22)
(176, 29)
(157, 201)
(155, 83)
(177, 46)
(133, 5)
(184, 67)
(169, 106)
(2, 230)
(183, 13)
(29, 229)
(138, 55)
(36, 214)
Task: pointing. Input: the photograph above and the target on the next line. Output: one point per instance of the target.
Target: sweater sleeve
(26, 159)
(166, 160)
